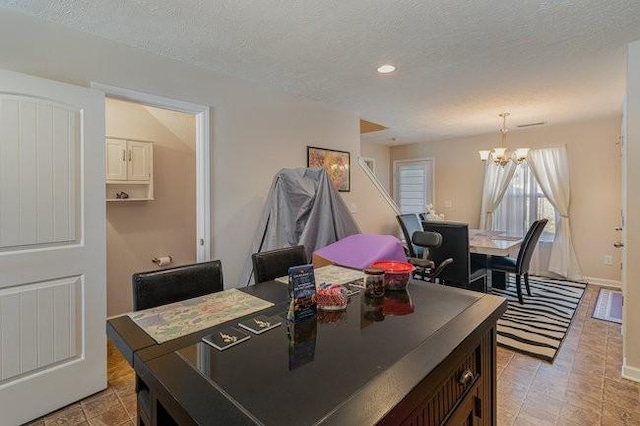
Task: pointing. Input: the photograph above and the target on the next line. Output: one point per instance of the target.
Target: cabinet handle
(618, 244)
(124, 156)
(466, 377)
(129, 155)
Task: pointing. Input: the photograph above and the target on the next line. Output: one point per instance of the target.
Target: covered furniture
(520, 265)
(410, 223)
(164, 286)
(269, 265)
(360, 251)
(302, 208)
(455, 245)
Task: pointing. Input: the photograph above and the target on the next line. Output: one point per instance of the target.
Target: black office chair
(410, 223)
(455, 245)
(520, 265)
(269, 265)
(427, 269)
(164, 286)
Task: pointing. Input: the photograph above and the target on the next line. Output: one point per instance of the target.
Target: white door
(116, 159)
(52, 246)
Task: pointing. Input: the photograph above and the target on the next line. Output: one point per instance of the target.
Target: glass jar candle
(374, 282)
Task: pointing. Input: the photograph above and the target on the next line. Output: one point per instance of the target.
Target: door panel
(38, 183)
(139, 160)
(52, 246)
(116, 159)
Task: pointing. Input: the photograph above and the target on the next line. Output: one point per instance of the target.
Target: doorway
(180, 221)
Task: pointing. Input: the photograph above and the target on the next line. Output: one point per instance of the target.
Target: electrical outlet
(608, 260)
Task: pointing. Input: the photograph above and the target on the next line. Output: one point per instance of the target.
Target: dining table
(424, 352)
(494, 243)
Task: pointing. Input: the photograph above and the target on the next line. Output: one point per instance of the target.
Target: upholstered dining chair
(410, 223)
(520, 265)
(269, 265)
(426, 266)
(164, 286)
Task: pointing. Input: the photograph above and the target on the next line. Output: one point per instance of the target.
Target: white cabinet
(129, 170)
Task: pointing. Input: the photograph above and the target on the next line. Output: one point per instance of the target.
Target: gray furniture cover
(302, 208)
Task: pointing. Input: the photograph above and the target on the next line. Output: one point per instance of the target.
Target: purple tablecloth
(361, 250)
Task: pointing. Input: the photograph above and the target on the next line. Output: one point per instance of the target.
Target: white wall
(631, 315)
(594, 160)
(255, 131)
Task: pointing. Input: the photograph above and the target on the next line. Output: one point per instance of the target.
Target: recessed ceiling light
(386, 69)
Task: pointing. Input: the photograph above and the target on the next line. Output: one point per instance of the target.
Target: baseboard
(631, 373)
(603, 282)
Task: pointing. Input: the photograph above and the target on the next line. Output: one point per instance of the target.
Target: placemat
(332, 274)
(178, 319)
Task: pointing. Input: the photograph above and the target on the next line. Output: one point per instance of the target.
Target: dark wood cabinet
(460, 391)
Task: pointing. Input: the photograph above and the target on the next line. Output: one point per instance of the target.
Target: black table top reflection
(303, 373)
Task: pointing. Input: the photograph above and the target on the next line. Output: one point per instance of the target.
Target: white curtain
(496, 182)
(550, 167)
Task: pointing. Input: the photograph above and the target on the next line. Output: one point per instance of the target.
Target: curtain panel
(550, 167)
(496, 182)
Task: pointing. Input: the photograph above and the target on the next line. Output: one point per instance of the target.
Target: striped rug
(538, 327)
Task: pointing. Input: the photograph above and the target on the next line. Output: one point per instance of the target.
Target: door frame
(203, 163)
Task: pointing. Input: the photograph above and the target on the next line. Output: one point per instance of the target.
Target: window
(413, 184)
(523, 203)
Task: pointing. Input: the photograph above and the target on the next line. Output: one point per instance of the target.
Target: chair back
(410, 223)
(426, 239)
(528, 245)
(455, 245)
(269, 265)
(164, 286)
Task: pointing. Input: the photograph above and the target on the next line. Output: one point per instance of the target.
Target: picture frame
(336, 163)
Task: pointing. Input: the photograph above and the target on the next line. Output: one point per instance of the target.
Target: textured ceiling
(459, 62)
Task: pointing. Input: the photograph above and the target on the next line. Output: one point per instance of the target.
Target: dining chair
(269, 265)
(426, 266)
(164, 286)
(455, 245)
(520, 265)
(410, 223)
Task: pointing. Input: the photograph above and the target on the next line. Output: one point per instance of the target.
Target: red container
(396, 273)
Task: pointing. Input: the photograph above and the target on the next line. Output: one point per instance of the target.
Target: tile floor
(582, 387)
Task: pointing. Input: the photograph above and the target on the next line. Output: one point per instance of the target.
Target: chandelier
(500, 155)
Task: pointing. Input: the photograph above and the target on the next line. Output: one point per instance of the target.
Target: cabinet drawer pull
(466, 377)
(123, 155)
(129, 155)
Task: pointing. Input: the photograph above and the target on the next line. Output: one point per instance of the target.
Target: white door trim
(203, 163)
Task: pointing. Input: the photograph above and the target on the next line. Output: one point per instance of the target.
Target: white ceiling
(460, 62)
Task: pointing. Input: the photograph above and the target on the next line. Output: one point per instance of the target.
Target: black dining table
(367, 364)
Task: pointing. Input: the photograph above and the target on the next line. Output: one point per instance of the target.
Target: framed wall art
(336, 163)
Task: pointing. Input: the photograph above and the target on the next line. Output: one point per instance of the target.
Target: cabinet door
(139, 161)
(116, 159)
